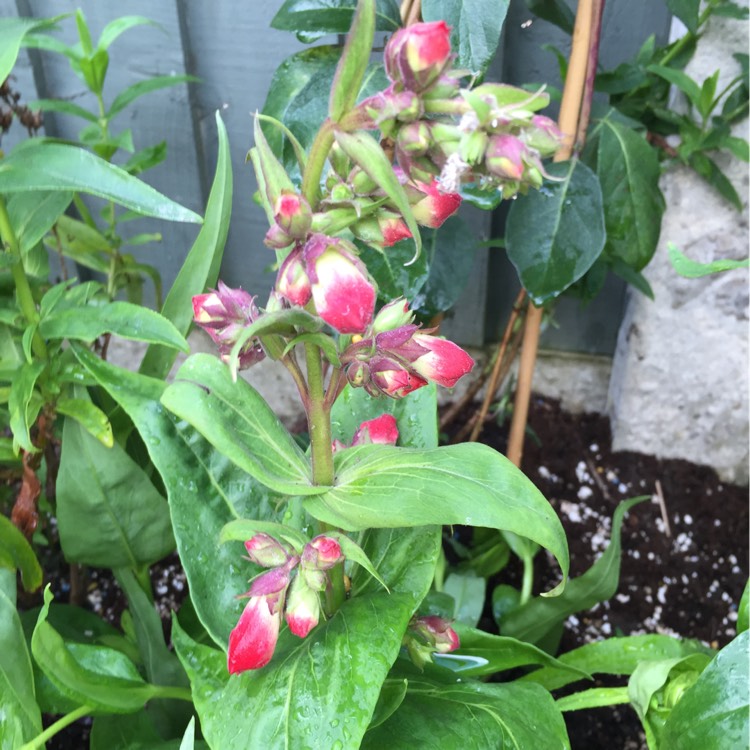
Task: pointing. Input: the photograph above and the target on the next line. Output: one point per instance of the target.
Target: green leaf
(470, 716)
(743, 618)
(476, 27)
(691, 269)
(131, 93)
(206, 491)
(236, 420)
(138, 732)
(321, 17)
(593, 698)
(245, 528)
(556, 12)
(298, 97)
(32, 215)
(145, 159)
(16, 554)
(201, 267)
(23, 406)
(352, 66)
(364, 150)
(688, 11)
(64, 106)
(713, 713)
(554, 235)
(109, 514)
(450, 251)
(533, 620)
(57, 166)
(119, 26)
(12, 32)
(381, 486)
(709, 170)
(677, 78)
(21, 719)
(618, 656)
(628, 170)
(483, 654)
(393, 277)
(94, 676)
(119, 318)
(89, 416)
(467, 591)
(416, 415)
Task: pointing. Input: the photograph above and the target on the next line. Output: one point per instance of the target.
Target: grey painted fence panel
(232, 49)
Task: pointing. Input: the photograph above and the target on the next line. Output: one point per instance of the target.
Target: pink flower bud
(303, 608)
(437, 633)
(416, 55)
(382, 431)
(343, 291)
(266, 551)
(435, 206)
(414, 138)
(292, 281)
(253, 639)
(394, 230)
(393, 315)
(381, 230)
(386, 108)
(321, 553)
(444, 362)
(505, 157)
(293, 214)
(544, 135)
(389, 377)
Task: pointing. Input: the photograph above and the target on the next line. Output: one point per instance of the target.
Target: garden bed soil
(683, 581)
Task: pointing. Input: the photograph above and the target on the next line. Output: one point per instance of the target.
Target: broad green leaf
(17, 554)
(628, 170)
(482, 654)
(692, 269)
(62, 167)
(470, 716)
(713, 713)
(201, 267)
(89, 416)
(467, 591)
(392, 695)
(236, 420)
(20, 719)
(554, 235)
(109, 514)
(393, 277)
(450, 255)
(618, 656)
(325, 17)
(555, 11)
(95, 676)
(119, 318)
(32, 215)
(131, 93)
(533, 620)
(476, 26)
(24, 405)
(352, 65)
(12, 32)
(381, 486)
(298, 97)
(593, 698)
(687, 11)
(416, 415)
(206, 491)
(365, 151)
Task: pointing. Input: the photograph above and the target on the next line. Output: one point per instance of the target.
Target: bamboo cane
(588, 16)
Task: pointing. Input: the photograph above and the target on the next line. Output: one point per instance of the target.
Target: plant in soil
(324, 607)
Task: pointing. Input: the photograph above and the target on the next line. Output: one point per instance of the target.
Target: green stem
(40, 740)
(446, 106)
(171, 691)
(23, 289)
(528, 579)
(316, 162)
(682, 42)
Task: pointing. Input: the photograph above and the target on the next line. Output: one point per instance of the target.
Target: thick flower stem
(316, 162)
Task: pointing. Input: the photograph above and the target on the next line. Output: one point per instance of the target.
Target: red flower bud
(292, 281)
(321, 553)
(444, 362)
(544, 135)
(266, 551)
(435, 206)
(303, 608)
(437, 632)
(416, 55)
(505, 157)
(389, 377)
(382, 431)
(253, 639)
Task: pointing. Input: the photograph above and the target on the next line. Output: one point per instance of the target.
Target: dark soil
(683, 581)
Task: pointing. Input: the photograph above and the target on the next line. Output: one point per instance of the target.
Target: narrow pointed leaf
(89, 416)
(16, 554)
(692, 269)
(32, 215)
(201, 267)
(131, 93)
(323, 17)
(12, 32)
(59, 166)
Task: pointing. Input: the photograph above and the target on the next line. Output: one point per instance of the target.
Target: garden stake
(582, 55)
(494, 383)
